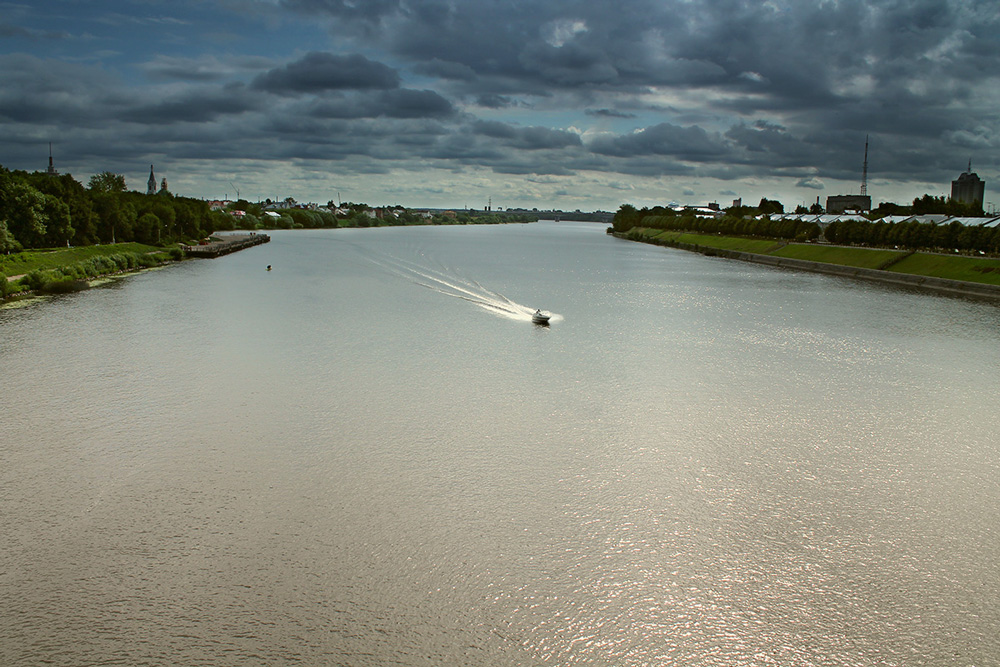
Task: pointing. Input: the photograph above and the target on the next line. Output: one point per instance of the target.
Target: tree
(58, 227)
(68, 190)
(889, 208)
(117, 216)
(8, 243)
(626, 218)
(769, 206)
(107, 181)
(22, 208)
(147, 229)
(166, 213)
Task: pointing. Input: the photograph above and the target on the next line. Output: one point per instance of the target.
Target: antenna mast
(52, 170)
(864, 173)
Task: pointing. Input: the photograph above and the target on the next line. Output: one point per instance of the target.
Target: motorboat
(538, 317)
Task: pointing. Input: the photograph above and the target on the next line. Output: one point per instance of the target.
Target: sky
(561, 104)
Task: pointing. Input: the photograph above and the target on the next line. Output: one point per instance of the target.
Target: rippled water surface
(371, 456)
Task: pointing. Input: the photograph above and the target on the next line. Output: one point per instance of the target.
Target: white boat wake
(459, 288)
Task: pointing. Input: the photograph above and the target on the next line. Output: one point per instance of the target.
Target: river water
(370, 456)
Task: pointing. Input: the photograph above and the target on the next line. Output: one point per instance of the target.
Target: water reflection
(330, 463)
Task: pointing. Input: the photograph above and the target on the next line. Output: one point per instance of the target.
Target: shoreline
(26, 297)
(930, 284)
(228, 243)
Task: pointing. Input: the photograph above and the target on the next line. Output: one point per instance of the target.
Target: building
(151, 183)
(840, 203)
(968, 188)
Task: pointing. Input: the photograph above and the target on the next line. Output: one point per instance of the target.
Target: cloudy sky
(573, 104)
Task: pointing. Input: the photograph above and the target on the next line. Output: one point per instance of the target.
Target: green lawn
(959, 267)
(714, 241)
(862, 258)
(29, 260)
(972, 269)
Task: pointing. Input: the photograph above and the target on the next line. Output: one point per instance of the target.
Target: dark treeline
(929, 204)
(911, 235)
(731, 224)
(915, 235)
(255, 216)
(38, 210)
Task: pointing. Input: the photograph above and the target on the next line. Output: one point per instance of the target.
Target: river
(369, 456)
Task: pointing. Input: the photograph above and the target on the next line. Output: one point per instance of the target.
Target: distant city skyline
(562, 105)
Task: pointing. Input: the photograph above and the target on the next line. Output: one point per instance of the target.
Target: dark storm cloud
(206, 68)
(33, 90)
(318, 72)
(771, 143)
(445, 70)
(491, 101)
(8, 30)
(609, 113)
(195, 106)
(779, 57)
(406, 103)
(526, 138)
(367, 10)
(686, 143)
(401, 103)
(570, 64)
(564, 43)
(718, 89)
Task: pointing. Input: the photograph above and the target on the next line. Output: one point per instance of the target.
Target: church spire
(151, 184)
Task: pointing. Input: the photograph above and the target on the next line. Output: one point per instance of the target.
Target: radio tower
(864, 172)
(52, 170)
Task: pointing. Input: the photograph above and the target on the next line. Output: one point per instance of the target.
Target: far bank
(936, 272)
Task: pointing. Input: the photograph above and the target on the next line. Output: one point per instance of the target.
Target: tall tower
(52, 170)
(151, 183)
(862, 202)
(864, 171)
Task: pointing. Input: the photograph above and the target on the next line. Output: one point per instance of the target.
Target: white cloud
(557, 33)
(755, 77)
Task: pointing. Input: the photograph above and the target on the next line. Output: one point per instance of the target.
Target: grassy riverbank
(43, 260)
(67, 269)
(983, 270)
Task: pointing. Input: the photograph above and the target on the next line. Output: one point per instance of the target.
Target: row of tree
(38, 210)
(915, 235)
(732, 223)
(256, 216)
(911, 235)
(929, 204)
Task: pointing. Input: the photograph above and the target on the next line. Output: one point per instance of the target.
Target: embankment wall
(957, 287)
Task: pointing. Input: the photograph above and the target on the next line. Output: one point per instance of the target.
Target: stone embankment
(226, 244)
(940, 285)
